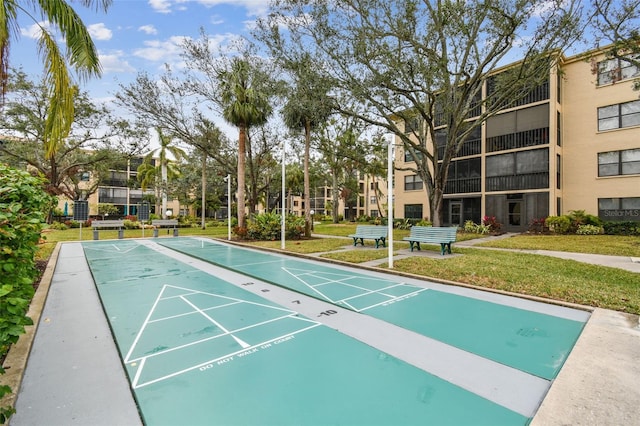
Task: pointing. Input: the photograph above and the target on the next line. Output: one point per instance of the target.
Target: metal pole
(283, 199)
(229, 207)
(390, 139)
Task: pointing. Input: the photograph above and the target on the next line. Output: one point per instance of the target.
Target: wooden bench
(444, 236)
(374, 232)
(107, 224)
(165, 223)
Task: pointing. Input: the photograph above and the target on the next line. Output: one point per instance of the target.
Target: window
(619, 209)
(464, 176)
(518, 129)
(85, 176)
(616, 163)
(619, 116)
(375, 213)
(518, 170)
(374, 185)
(616, 69)
(412, 183)
(412, 125)
(373, 199)
(413, 211)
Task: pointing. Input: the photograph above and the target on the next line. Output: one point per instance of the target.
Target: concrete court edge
(15, 363)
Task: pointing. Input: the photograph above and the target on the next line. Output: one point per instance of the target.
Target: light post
(312, 212)
(228, 180)
(390, 140)
(283, 199)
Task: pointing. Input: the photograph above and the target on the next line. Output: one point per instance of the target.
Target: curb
(16, 361)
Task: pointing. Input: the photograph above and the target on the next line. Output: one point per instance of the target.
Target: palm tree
(81, 54)
(147, 173)
(308, 106)
(244, 106)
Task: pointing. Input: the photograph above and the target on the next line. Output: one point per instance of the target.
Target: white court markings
(361, 295)
(208, 349)
(364, 292)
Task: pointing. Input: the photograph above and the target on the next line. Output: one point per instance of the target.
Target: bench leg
(384, 242)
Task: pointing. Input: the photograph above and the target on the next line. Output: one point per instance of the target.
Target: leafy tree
(427, 62)
(166, 103)
(94, 142)
(307, 106)
(23, 206)
(240, 88)
(166, 169)
(81, 55)
(337, 143)
(617, 22)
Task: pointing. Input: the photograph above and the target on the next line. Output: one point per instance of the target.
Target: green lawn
(596, 244)
(523, 273)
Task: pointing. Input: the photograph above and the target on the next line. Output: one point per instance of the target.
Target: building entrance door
(515, 213)
(455, 213)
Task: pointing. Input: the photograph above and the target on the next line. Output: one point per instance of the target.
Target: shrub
(558, 224)
(424, 222)
(130, 224)
(621, 228)
(58, 226)
(23, 210)
(589, 230)
(580, 217)
(265, 226)
(492, 223)
(537, 226)
(294, 227)
(473, 228)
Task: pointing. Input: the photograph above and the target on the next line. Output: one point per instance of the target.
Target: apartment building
(572, 144)
(122, 190)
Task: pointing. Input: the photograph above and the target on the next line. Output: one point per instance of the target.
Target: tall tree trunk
(242, 140)
(204, 189)
(307, 189)
(335, 193)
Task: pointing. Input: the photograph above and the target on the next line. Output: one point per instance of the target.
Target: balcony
(518, 182)
(463, 186)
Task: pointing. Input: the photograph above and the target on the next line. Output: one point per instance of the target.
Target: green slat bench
(165, 223)
(107, 224)
(444, 236)
(373, 232)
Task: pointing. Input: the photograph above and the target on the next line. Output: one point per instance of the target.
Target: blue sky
(143, 35)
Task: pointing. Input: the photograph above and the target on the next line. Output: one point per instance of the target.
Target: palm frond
(83, 55)
(60, 112)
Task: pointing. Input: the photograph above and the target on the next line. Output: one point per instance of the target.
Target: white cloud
(254, 7)
(99, 32)
(161, 6)
(34, 31)
(157, 50)
(114, 62)
(148, 29)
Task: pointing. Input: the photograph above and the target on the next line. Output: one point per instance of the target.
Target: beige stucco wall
(582, 141)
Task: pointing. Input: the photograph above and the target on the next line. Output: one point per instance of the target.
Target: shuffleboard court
(199, 349)
(526, 339)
